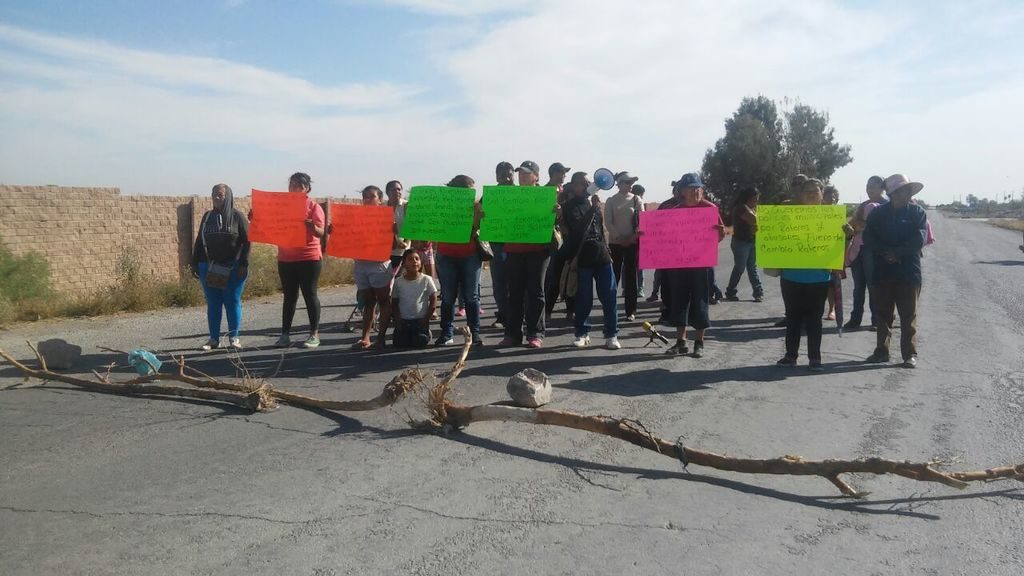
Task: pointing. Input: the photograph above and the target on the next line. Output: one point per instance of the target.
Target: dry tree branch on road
(444, 414)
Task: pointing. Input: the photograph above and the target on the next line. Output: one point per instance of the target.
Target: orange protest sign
(278, 218)
(361, 232)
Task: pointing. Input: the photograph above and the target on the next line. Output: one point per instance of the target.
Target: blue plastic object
(143, 361)
(604, 179)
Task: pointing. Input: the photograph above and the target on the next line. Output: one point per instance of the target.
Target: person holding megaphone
(591, 258)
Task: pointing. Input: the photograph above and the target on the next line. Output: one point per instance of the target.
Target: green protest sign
(801, 236)
(439, 214)
(523, 214)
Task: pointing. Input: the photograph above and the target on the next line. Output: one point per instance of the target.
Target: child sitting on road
(415, 297)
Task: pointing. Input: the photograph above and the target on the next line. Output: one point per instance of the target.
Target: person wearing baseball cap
(526, 267)
(556, 178)
(584, 224)
(687, 291)
(895, 234)
(622, 217)
(503, 173)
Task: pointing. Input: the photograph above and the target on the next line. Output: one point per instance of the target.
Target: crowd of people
(594, 247)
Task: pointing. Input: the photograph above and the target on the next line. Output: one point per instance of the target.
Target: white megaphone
(604, 179)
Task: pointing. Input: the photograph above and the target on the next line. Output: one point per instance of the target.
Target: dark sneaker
(758, 297)
(678, 349)
(732, 298)
(877, 358)
(652, 298)
(780, 323)
(910, 362)
(817, 367)
(698, 348)
(444, 341)
(786, 361)
(477, 340)
(851, 325)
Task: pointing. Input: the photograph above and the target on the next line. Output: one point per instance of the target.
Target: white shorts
(371, 274)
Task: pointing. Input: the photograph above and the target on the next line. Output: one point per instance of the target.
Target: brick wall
(82, 231)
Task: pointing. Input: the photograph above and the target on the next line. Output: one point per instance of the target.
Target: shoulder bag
(569, 282)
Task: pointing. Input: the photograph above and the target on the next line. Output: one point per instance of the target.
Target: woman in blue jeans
(223, 240)
(458, 270)
(744, 232)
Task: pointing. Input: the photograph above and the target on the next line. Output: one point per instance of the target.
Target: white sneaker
(630, 317)
(211, 344)
(581, 341)
(612, 343)
(236, 343)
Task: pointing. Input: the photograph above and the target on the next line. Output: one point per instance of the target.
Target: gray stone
(59, 355)
(529, 388)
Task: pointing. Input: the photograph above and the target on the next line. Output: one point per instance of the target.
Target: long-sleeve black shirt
(577, 214)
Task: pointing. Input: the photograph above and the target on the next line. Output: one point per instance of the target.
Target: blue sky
(172, 97)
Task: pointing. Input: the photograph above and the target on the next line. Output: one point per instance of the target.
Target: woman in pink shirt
(299, 268)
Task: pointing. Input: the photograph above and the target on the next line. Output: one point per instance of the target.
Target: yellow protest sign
(801, 236)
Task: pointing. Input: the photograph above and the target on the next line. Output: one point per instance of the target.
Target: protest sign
(278, 218)
(361, 232)
(801, 236)
(439, 214)
(679, 238)
(523, 214)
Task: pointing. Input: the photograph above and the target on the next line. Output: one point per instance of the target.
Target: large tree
(761, 149)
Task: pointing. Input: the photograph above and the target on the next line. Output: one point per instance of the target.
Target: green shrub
(23, 277)
(263, 278)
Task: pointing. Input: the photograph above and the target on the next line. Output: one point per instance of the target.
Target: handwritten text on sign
(439, 214)
(679, 238)
(798, 236)
(361, 232)
(278, 218)
(523, 214)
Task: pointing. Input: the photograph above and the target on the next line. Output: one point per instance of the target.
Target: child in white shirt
(414, 296)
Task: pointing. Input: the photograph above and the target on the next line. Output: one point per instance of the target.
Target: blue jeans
(744, 257)
(459, 277)
(862, 268)
(604, 277)
(219, 300)
(499, 284)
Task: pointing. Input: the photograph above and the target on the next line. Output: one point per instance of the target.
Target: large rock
(59, 355)
(529, 388)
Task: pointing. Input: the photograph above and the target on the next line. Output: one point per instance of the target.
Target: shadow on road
(661, 381)
(1001, 262)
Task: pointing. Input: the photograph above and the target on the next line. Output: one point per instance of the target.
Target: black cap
(502, 165)
(529, 166)
(557, 168)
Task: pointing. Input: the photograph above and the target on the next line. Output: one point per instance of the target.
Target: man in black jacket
(895, 234)
(585, 227)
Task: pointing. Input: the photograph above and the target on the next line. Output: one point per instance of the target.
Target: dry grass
(133, 291)
(1009, 224)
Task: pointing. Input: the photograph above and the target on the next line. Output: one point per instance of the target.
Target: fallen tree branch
(446, 413)
(210, 388)
(257, 400)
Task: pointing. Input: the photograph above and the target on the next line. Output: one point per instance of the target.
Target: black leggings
(805, 303)
(297, 276)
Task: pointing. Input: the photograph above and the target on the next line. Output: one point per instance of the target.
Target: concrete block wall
(82, 231)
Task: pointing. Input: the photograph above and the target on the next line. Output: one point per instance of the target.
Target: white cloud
(642, 85)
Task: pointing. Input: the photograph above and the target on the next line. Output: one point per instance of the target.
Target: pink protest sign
(679, 238)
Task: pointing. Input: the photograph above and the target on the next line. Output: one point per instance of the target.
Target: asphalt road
(102, 484)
